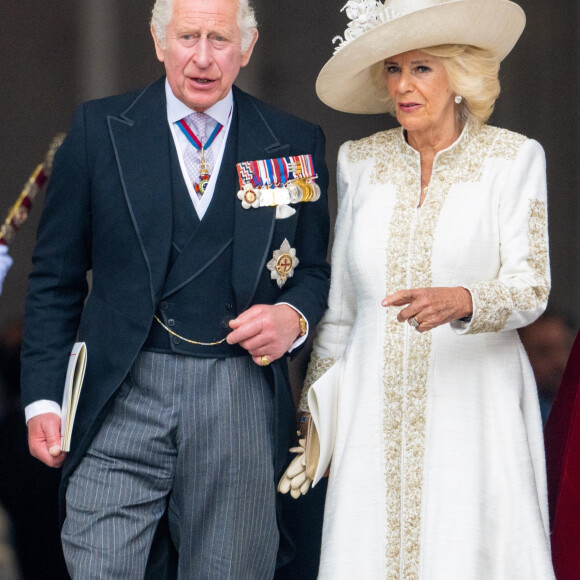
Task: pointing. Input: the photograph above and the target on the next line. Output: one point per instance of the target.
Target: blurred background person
(562, 436)
(548, 341)
(5, 263)
(19, 212)
(28, 489)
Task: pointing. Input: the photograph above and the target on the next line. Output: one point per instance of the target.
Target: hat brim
(345, 82)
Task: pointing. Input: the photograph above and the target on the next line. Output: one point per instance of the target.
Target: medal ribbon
(245, 173)
(193, 138)
(273, 172)
(257, 180)
(283, 170)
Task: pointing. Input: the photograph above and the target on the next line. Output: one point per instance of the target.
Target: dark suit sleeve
(307, 290)
(58, 284)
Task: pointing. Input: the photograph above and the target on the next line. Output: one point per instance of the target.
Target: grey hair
(163, 9)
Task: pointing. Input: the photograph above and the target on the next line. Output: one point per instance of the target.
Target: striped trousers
(190, 435)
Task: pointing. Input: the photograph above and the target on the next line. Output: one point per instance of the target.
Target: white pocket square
(284, 211)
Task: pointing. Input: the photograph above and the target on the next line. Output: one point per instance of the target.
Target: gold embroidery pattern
(505, 143)
(406, 355)
(538, 256)
(494, 306)
(406, 352)
(316, 368)
(495, 301)
(364, 149)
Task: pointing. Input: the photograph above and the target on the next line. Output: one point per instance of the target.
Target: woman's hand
(428, 308)
(295, 479)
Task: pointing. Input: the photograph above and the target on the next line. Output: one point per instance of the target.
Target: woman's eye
(391, 69)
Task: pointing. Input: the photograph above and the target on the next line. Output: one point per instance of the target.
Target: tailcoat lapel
(140, 137)
(141, 140)
(253, 227)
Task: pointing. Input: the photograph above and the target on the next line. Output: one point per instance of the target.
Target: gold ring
(414, 322)
(264, 361)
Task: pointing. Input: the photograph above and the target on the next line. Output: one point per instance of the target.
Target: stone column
(99, 48)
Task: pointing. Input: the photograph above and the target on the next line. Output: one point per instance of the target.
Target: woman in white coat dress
(440, 255)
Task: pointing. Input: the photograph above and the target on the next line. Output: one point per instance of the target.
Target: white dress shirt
(220, 112)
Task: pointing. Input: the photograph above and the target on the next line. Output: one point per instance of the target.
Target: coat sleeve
(334, 329)
(58, 284)
(307, 290)
(519, 295)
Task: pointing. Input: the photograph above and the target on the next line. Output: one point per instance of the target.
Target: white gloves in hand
(295, 479)
(5, 263)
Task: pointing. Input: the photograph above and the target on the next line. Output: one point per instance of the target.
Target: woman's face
(419, 86)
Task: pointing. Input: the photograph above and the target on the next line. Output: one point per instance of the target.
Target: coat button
(176, 340)
(164, 306)
(171, 322)
(229, 306)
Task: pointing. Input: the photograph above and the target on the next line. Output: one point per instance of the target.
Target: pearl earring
(458, 99)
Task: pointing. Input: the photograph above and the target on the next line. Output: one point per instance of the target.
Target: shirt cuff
(41, 407)
(301, 339)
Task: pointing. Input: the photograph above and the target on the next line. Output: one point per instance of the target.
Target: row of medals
(296, 191)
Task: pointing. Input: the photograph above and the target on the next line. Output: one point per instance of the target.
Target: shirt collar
(177, 110)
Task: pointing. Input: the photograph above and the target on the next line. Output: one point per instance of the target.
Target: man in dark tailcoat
(196, 208)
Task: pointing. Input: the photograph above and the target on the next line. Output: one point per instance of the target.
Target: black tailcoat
(108, 211)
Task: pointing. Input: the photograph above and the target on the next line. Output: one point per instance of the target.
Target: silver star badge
(283, 263)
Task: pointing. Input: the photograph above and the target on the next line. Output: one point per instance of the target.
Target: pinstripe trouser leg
(196, 431)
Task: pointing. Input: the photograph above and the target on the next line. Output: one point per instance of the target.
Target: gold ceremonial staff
(37, 181)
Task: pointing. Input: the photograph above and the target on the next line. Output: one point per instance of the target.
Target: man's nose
(202, 53)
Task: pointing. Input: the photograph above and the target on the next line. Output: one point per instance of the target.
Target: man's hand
(265, 331)
(428, 308)
(44, 439)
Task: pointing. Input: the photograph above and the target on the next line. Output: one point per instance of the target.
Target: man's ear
(159, 50)
(248, 53)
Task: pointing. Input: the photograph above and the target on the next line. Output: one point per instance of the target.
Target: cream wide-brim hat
(346, 84)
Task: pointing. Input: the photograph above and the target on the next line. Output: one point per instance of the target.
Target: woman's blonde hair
(473, 74)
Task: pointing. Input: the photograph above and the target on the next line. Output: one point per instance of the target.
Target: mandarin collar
(413, 157)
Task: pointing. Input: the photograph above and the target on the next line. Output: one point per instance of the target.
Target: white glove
(295, 479)
(5, 263)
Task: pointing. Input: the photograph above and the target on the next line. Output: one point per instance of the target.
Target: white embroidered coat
(438, 468)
